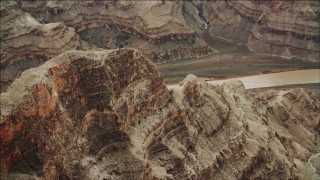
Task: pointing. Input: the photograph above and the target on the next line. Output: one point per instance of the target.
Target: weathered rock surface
(108, 115)
(288, 29)
(152, 20)
(35, 31)
(283, 28)
(112, 38)
(27, 43)
(149, 26)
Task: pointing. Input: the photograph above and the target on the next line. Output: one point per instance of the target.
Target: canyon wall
(26, 43)
(34, 31)
(148, 25)
(108, 115)
(152, 20)
(289, 29)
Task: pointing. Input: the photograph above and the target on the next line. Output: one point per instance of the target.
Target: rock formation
(26, 43)
(151, 20)
(108, 115)
(149, 26)
(288, 29)
(35, 31)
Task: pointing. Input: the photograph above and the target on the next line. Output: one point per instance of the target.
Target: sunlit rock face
(26, 43)
(108, 115)
(288, 29)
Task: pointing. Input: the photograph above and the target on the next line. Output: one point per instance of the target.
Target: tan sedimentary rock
(162, 30)
(151, 20)
(26, 43)
(165, 30)
(288, 29)
(107, 114)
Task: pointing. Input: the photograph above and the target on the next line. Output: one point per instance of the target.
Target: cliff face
(27, 43)
(153, 20)
(107, 114)
(282, 28)
(34, 31)
(147, 26)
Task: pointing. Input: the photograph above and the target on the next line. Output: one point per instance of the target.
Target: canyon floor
(231, 64)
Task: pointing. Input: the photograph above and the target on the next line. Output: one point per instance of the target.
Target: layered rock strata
(282, 28)
(288, 29)
(108, 115)
(159, 29)
(154, 21)
(26, 43)
(111, 38)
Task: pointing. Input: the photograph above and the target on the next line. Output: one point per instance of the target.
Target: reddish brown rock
(26, 43)
(67, 103)
(107, 114)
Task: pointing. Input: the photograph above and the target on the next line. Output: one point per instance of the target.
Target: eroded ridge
(27, 43)
(108, 114)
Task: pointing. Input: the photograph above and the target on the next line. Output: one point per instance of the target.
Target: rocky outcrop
(27, 43)
(283, 28)
(111, 38)
(153, 21)
(162, 30)
(107, 114)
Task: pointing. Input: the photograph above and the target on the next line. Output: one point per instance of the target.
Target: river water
(273, 79)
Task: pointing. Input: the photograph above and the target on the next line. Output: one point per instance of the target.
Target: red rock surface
(108, 115)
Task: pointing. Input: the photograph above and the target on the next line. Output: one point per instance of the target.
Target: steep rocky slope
(282, 28)
(34, 31)
(148, 26)
(26, 43)
(108, 115)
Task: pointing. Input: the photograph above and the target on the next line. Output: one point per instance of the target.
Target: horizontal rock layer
(107, 114)
(152, 21)
(110, 38)
(156, 28)
(282, 28)
(288, 29)
(27, 43)
(34, 31)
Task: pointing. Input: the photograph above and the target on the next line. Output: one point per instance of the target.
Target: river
(273, 79)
